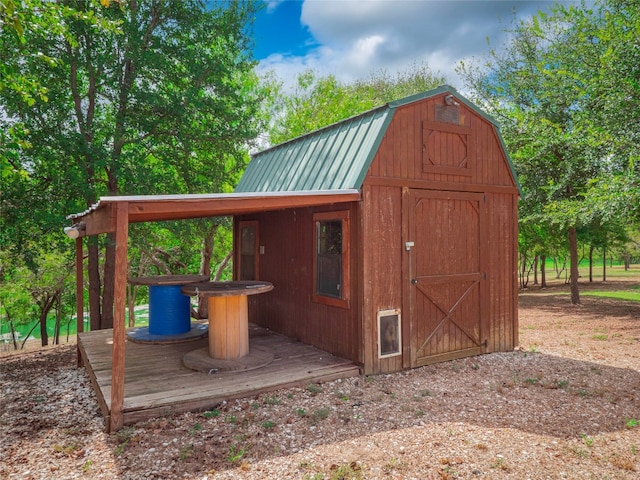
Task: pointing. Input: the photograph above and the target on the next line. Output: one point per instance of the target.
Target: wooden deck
(156, 382)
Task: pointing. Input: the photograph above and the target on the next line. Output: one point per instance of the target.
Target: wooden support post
(79, 293)
(116, 418)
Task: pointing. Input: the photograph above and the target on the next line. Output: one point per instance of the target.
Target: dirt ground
(565, 404)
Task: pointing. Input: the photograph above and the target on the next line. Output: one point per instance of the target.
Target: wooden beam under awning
(101, 218)
(113, 214)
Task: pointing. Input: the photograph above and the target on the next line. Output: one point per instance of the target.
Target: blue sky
(353, 38)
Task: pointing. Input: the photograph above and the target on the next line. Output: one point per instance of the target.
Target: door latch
(414, 281)
(408, 245)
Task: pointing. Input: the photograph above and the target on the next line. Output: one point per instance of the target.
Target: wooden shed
(422, 269)
(390, 239)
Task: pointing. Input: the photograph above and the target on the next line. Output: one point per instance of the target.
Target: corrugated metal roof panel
(333, 158)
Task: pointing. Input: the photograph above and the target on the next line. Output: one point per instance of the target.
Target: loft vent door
(446, 275)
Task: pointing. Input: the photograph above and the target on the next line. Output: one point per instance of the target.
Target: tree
(116, 97)
(547, 87)
(28, 293)
(321, 101)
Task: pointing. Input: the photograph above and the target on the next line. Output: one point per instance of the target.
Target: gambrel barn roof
(336, 157)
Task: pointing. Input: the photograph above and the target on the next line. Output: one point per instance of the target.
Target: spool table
(169, 310)
(228, 348)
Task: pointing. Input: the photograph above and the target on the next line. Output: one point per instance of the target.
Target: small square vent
(389, 333)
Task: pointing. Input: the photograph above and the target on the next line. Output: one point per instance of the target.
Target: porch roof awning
(101, 217)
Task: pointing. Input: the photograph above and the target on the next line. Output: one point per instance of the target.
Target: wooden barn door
(445, 273)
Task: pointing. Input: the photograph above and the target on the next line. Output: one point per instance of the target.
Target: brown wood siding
(382, 260)
(287, 262)
(473, 145)
(473, 161)
(501, 264)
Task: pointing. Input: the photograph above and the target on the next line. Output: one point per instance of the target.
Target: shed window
(248, 258)
(331, 259)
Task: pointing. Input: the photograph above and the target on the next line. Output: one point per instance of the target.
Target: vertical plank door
(446, 275)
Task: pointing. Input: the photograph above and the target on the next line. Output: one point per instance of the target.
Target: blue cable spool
(169, 310)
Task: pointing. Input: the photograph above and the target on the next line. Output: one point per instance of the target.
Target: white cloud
(363, 51)
(273, 4)
(358, 37)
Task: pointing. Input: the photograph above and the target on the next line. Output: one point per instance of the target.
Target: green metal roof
(336, 157)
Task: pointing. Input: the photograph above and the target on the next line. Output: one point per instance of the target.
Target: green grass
(629, 295)
(613, 273)
(68, 325)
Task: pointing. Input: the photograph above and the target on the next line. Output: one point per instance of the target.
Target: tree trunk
(93, 265)
(523, 270)
(108, 290)
(543, 271)
(222, 266)
(37, 324)
(591, 248)
(12, 328)
(604, 264)
(132, 292)
(535, 269)
(46, 305)
(56, 332)
(573, 252)
(44, 336)
(13, 335)
(206, 254)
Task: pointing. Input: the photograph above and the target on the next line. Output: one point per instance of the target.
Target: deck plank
(157, 383)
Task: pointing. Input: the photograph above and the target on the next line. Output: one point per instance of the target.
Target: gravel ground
(565, 404)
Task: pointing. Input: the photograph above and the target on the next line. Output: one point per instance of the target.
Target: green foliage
(346, 471)
(321, 101)
(268, 424)
(28, 294)
(107, 97)
(272, 400)
(632, 422)
(314, 388)
(124, 436)
(211, 413)
(235, 454)
(195, 429)
(320, 414)
(185, 452)
(565, 90)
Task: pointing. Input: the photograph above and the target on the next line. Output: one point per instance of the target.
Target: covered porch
(137, 381)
